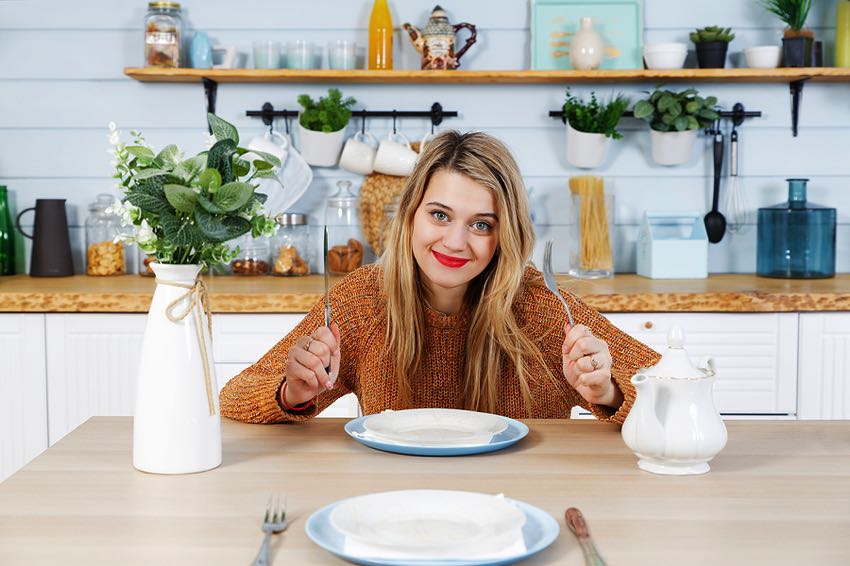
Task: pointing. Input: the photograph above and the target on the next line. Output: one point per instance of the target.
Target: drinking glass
(266, 55)
(341, 54)
(299, 54)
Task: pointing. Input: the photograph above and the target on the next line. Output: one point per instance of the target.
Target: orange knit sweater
(367, 370)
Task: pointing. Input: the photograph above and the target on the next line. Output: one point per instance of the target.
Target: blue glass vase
(796, 239)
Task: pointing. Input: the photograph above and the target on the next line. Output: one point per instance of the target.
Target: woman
(453, 316)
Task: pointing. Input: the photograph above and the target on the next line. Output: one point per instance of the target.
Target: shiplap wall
(61, 82)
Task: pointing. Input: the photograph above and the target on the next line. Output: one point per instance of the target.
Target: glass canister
(390, 212)
(253, 257)
(163, 34)
(292, 247)
(591, 231)
(104, 256)
(796, 239)
(345, 240)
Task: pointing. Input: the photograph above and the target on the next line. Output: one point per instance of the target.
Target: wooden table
(778, 494)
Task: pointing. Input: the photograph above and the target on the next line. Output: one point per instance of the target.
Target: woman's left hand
(587, 366)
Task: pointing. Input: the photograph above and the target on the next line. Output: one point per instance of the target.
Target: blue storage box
(672, 245)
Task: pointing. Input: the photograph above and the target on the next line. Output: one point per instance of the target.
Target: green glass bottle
(7, 239)
(842, 34)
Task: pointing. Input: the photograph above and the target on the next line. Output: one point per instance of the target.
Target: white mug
(424, 141)
(358, 154)
(394, 158)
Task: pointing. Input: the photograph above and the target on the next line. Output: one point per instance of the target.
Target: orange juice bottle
(380, 36)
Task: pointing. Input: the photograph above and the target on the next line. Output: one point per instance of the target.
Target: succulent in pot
(321, 127)
(674, 119)
(590, 128)
(712, 42)
(797, 40)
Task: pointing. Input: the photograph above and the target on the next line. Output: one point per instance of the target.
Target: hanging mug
(358, 154)
(395, 157)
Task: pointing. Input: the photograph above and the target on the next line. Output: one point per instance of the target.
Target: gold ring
(309, 342)
(594, 363)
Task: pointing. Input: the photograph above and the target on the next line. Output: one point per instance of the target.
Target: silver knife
(327, 291)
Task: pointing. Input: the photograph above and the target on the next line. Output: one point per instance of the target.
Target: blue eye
(482, 226)
(440, 216)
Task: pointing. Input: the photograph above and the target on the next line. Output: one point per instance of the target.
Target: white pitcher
(673, 426)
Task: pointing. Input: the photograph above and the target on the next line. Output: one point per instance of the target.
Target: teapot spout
(415, 36)
(642, 430)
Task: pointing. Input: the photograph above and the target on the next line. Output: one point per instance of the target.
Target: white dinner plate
(434, 427)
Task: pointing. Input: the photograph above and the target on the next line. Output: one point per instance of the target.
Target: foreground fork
(549, 278)
(274, 522)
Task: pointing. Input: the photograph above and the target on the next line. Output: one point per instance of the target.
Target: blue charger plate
(511, 435)
(540, 530)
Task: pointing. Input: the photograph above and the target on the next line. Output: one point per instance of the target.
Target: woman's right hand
(306, 375)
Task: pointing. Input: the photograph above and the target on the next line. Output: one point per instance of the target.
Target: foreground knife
(327, 292)
(575, 521)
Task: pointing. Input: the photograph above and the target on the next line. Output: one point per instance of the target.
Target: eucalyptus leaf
(181, 198)
(223, 130)
(233, 196)
(220, 229)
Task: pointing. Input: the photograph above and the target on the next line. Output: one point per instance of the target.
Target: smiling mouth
(449, 261)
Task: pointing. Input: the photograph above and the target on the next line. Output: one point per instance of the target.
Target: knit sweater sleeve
(628, 354)
(253, 395)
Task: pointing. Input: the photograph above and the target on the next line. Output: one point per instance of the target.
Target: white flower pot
(586, 150)
(320, 149)
(672, 148)
(174, 429)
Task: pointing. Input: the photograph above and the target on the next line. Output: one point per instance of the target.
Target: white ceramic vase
(586, 150)
(586, 47)
(320, 149)
(176, 424)
(672, 148)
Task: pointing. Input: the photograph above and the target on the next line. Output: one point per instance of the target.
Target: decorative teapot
(436, 43)
(673, 426)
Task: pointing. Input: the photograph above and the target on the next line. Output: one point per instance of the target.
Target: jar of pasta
(104, 256)
(253, 256)
(345, 240)
(292, 247)
(163, 33)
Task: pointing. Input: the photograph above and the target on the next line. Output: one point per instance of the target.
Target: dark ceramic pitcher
(51, 245)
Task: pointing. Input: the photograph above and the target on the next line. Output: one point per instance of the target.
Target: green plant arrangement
(594, 117)
(668, 111)
(791, 12)
(712, 33)
(184, 211)
(330, 114)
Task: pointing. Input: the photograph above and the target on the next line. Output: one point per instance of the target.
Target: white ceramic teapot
(673, 426)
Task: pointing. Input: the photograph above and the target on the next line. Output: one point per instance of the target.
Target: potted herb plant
(590, 128)
(184, 211)
(797, 40)
(674, 119)
(321, 127)
(712, 42)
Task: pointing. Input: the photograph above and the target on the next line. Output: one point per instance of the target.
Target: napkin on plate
(508, 545)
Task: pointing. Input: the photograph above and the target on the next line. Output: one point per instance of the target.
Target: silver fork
(274, 522)
(549, 278)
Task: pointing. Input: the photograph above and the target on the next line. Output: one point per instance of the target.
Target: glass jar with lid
(390, 212)
(163, 34)
(104, 256)
(345, 239)
(253, 256)
(292, 246)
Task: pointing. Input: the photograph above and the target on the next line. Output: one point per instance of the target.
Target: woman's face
(455, 231)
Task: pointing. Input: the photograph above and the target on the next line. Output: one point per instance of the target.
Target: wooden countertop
(623, 293)
(778, 494)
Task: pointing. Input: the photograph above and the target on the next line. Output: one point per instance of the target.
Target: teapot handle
(469, 41)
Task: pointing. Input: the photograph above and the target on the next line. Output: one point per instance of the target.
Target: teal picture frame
(618, 22)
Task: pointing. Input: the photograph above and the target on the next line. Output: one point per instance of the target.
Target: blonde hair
(494, 334)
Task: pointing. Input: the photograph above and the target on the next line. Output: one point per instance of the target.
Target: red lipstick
(449, 261)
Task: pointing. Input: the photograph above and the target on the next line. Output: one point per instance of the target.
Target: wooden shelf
(781, 75)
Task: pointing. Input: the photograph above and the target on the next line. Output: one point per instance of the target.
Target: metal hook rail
(738, 114)
(435, 114)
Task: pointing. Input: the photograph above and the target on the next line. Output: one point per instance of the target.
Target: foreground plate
(453, 445)
(539, 531)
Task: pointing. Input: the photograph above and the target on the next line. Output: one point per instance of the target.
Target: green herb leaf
(681, 123)
(241, 167)
(222, 130)
(262, 165)
(329, 114)
(643, 110)
(219, 158)
(148, 173)
(262, 197)
(141, 152)
(181, 198)
(168, 158)
(187, 170)
(267, 157)
(233, 196)
(209, 206)
(149, 196)
(180, 231)
(210, 179)
(220, 229)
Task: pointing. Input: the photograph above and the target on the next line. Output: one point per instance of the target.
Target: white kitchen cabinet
(755, 354)
(824, 368)
(92, 361)
(23, 391)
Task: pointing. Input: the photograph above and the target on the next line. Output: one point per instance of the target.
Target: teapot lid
(675, 363)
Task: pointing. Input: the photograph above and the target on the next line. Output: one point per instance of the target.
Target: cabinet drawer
(344, 407)
(244, 338)
(755, 354)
